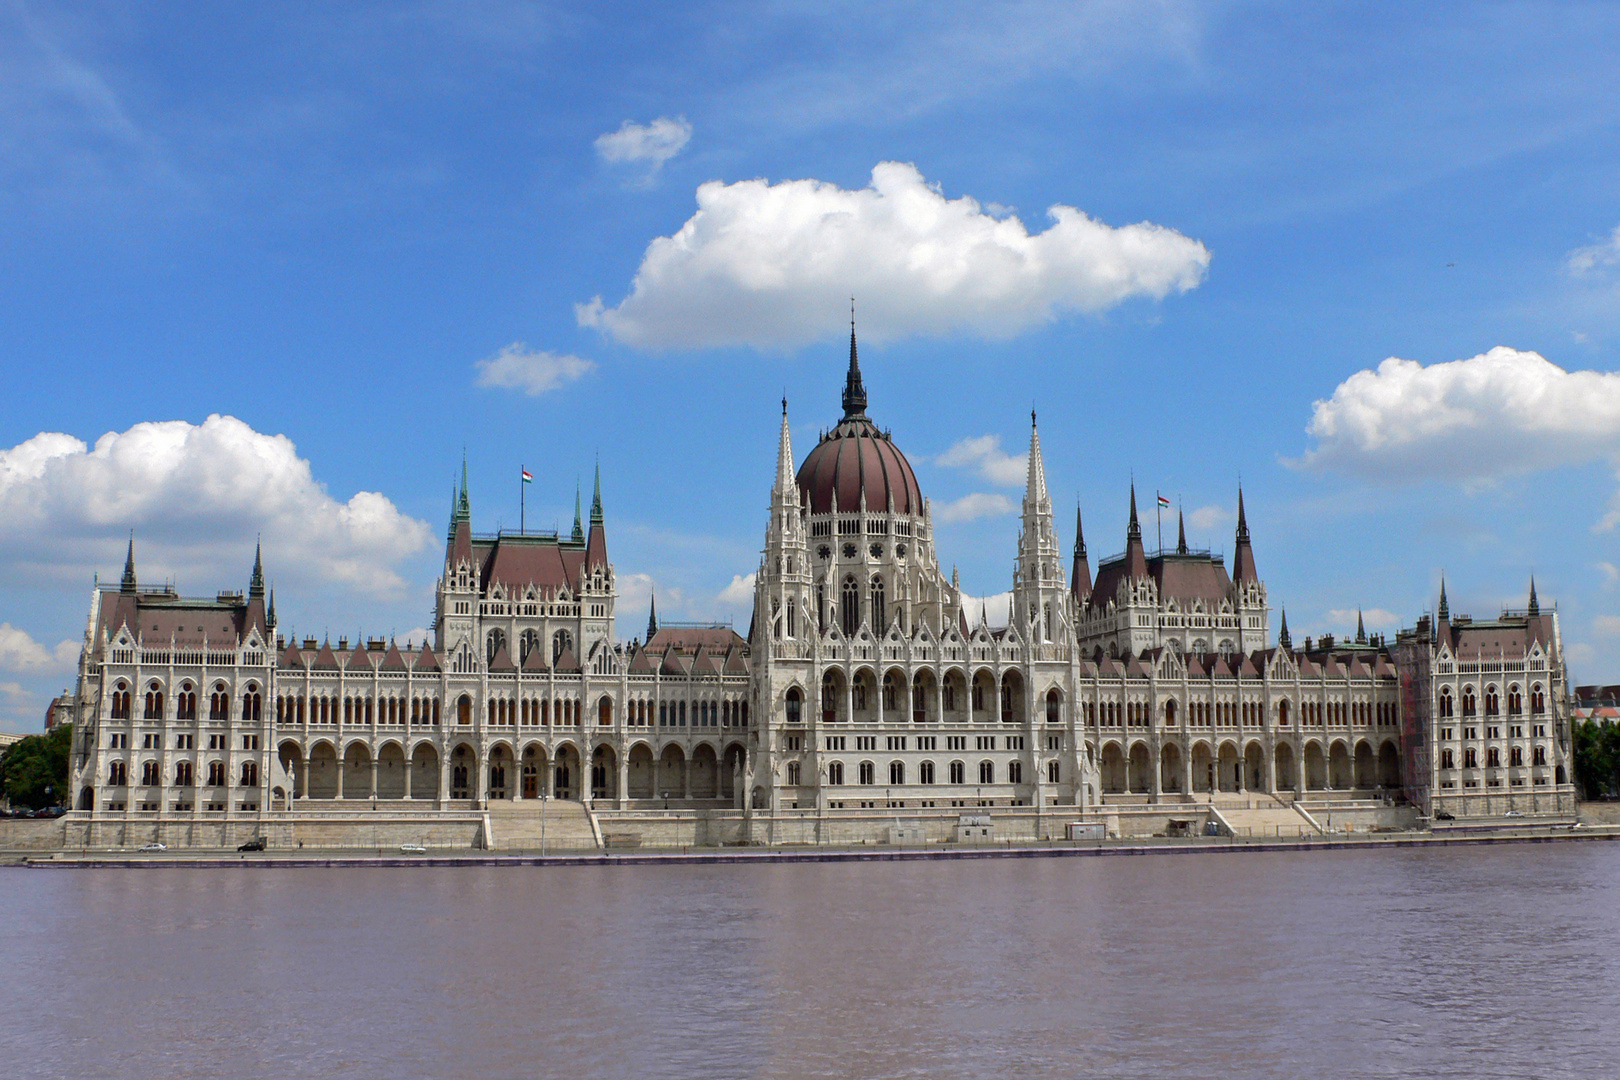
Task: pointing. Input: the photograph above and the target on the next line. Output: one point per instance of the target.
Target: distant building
(866, 682)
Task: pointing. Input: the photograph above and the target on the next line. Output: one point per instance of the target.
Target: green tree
(1597, 759)
(34, 771)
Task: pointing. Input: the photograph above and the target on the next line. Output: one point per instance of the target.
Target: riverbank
(195, 859)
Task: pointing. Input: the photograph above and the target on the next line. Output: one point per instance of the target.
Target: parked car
(156, 845)
(412, 849)
(255, 844)
(1444, 815)
(1513, 813)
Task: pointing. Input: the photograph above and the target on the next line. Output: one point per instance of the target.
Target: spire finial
(463, 504)
(1282, 635)
(854, 389)
(652, 615)
(596, 499)
(1445, 608)
(256, 582)
(1535, 605)
(128, 583)
(1181, 532)
(579, 529)
(1079, 533)
(1361, 629)
(1134, 530)
(1243, 520)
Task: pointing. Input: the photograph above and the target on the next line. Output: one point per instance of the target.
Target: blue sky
(369, 237)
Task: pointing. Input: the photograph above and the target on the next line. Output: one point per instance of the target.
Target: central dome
(855, 459)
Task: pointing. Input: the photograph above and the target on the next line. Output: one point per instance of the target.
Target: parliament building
(866, 698)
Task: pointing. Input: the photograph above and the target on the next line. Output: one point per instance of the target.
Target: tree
(34, 771)
(1597, 759)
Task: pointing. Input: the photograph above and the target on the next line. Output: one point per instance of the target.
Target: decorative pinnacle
(256, 583)
(854, 389)
(579, 529)
(128, 583)
(1134, 530)
(596, 499)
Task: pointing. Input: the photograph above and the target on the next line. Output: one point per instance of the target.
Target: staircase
(517, 826)
(1262, 817)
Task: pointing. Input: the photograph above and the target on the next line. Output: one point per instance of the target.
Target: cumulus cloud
(1499, 413)
(1209, 518)
(1587, 260)
(740, 591)
(190, 492)
(771, 265)
(997, 609)
(20, 652)
(977, 505)
(983, 454)
(516, 368)
(653, 143)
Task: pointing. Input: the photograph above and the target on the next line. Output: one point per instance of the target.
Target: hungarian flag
(528, 478)
(1164, 503)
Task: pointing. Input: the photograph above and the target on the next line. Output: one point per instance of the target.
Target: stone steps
(518, 826)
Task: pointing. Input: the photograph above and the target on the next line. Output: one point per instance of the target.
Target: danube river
(1490, 961)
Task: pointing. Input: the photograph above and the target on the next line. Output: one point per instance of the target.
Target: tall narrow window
(878, 622)
(850, 608)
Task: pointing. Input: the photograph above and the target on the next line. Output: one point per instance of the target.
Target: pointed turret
(1181, 533)
(127, 585)
(652, 616)
(579, 527)
(1361, 629)
(270, 615)
(1080, 577)
(1535, 605)
(1035, 495)
(1243, 569)
(256, 582)
(596, 498)
(458, 544)
(1445, 608)
(1135, 557)
(1283, 637)
(854, 389)
(786, 486)
(463, 511)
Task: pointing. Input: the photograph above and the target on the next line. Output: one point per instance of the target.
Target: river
(1492, 961)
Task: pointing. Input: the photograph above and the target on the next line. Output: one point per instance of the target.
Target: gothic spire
(596, 499)
(256, 583)
(127, 585)
(1243, 521)
(1535, 605)
(1243, 568)
(270, 614)
(784, 460)
(1445, 608)
(1361, 629)
(1282, 635)
(1181, 533)
(579, 529)
(463, 504)
(1133, 531)
(854, 389)
(1035, 496)
(1080, 577)
(652, 616)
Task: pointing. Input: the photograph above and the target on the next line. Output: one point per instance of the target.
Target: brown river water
(1489, 961)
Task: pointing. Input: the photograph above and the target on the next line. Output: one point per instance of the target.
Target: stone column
(1156, 769)
(686, 778)
(303, 773)
(480, 778)
(374, 777)
(621, 793)
(408, 771)
(340, 776)
(939, 698)
(849, 700)
(1186, 767)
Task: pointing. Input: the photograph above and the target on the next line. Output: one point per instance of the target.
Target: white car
(156, 845)
(412, 849)
(1513, 813)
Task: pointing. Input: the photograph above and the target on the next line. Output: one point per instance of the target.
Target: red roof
(855, 459)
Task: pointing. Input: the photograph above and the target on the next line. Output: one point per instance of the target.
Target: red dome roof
(853, 458)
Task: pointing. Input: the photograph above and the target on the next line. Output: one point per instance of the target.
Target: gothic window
(1445, 702)
(866, 772)
(835, 772)
(120, 701)
(950, 695)
(216, 774)
(527, 644)
(897, 772)
(1054, 707)
(1053, 773)
(250, 774)
(1470, 706)
(182, 774)
(792, 618)
(987, 772)
(1226, 649)
(888, 693)
(849, 551)
(850, 607)
(1538, 701)
(151, 775)
(859, 692)
(117, 774)
(561, 641)
(1015, 772)
(795, 704)
(1493, 757)
(154, 703)
(1515, 701)
(958, 773)
(793, 774)
(978, 696)
(821, 609)
(219, 703)
(1516, 756)
(1470, 758)
(1492, 702)
(186, 703)
(1047, 619)
(925, 773)
(879, 623)
(1539, 755)
(1446, 759)
(494, 643)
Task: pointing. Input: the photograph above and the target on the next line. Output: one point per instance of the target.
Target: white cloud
(515, 368)
(1375, 618)
(984, 455)
(775, 264)
(1499, 413)
(653, 143)
(997, 609)
(20, 652)
(977, 505)
(740, 591)
(17, 704)
(1208, 518)
(1610, 572)
(1606, 625)
(191, 492)
(1583, 261)
(414, 638)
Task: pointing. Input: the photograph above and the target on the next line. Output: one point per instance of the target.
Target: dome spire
(127, 585)
(854, 389)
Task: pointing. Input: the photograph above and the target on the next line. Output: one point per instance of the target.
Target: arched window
(120, 701)
(1015, 772)
(849, 608)
(1170, 712)
(1516, 756)
(250, 774)
(216, 774)
(897, 772)
(835, 772)
(925, 773)
(878, 608)
(529, 642)
(1538, 705)
(185, 704)
(1538, 755)
(1492, 702)
(464, 710)
(1493, 757)
(117, 774)
(866, 772)
(795, 705)
(888, 692)
(1054, 707)
(151, 774)
(987, 772)
(1046, 611)
(182, 774)
(494, 643)
(792, 618)
(958, 773)
(561, 642)
(793, 773)
(1515, 700)
(1053, 772)
(1445, 702)
(154, 702)
(1470, 705)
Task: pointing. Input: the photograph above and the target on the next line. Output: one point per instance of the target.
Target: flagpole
(522, 501)
(1158, 516)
